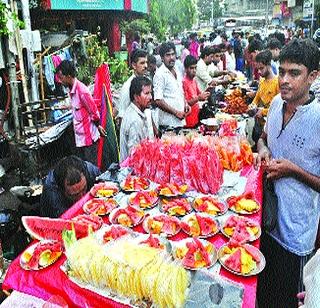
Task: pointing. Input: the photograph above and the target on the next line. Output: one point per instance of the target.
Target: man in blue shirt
(289, 150)
(66, 184)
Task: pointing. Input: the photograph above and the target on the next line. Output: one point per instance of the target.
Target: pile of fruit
(133, 270)
(234, 152)
(178, 160)
(236, 104)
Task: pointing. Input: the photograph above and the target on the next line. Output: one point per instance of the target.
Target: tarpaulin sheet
(52, 281)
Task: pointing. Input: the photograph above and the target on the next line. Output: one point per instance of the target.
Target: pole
(30, 55)
(267, 15)
(312, 17)
(14, 9)
(212, 13)
(15, 101)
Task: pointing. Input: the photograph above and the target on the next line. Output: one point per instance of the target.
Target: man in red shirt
(191, 90)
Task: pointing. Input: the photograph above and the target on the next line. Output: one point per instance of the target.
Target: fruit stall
(184, 218)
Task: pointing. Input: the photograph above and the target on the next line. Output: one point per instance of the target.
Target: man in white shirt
(139, 63)
(275, 47)
(168, 92)
(134, 126)
(203, 77)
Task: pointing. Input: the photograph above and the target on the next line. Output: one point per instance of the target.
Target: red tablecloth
(52, 281)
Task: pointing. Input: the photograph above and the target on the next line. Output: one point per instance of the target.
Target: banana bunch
(136, 271)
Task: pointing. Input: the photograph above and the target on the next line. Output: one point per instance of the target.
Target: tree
(172, 16)
(205, 8)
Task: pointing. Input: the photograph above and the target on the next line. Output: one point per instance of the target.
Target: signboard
(291, 3)
(87, 4)
(140, 6)
(307, 9)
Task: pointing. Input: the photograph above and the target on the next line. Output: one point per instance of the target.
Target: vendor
(268, 89)
(135, 125)
(192, 93)
(66, 184)
(86, 117)
(168, 92)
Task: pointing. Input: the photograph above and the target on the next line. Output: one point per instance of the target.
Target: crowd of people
(166, 93)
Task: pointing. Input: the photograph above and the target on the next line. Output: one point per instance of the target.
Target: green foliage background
(97, 54)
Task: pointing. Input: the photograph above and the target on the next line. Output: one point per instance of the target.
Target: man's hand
(203, 96)
(251, 94)
(301, 297)
(279, 168)
(263, 157)
(102, 131)
(187, 109)
(180, 114)
(259, 114)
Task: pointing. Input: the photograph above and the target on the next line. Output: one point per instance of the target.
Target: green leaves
(96, 55)
(205, 8)
(171, 16)
(5, 16)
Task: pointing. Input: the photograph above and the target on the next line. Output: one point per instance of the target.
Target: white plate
(224, 210)
(133, 189)
(260, 265)
(30, 250)
(105, 202)
(115, 221)
(145, 225)
(213, 255)
(132, 196)
(187, 217)
(171, 200)
(252, 238)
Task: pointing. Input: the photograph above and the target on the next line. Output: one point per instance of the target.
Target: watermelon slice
(234, 261)
(206, 224)
(240, 234)
(254, 253)
(44, 228)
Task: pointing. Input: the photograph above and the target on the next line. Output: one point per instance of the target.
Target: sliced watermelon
(45, 228)
(89, 220)
(240, 234)
(234, 261)
(206, 224)
(254, 253)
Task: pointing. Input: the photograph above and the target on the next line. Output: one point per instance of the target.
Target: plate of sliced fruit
(241, 229)
(199, 225)
(129, 216)
(104, 189)
(92, 221)
(194, 253)
(172, 190)
(40, 255)
(154, 241)
(146, 199)
(210, 205)
(244, 204)
(162, 224)
(175, 206)
(242, 260)
(112, 232)
(134, 183)
(100, 206)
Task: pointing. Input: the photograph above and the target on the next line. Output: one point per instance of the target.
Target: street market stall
(199, 199)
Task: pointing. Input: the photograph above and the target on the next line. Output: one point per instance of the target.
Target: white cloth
(311, 280)
(134, 128)
(230, 61)
(217, 40)
(202, 75)
(166, 87)
(124, 100)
